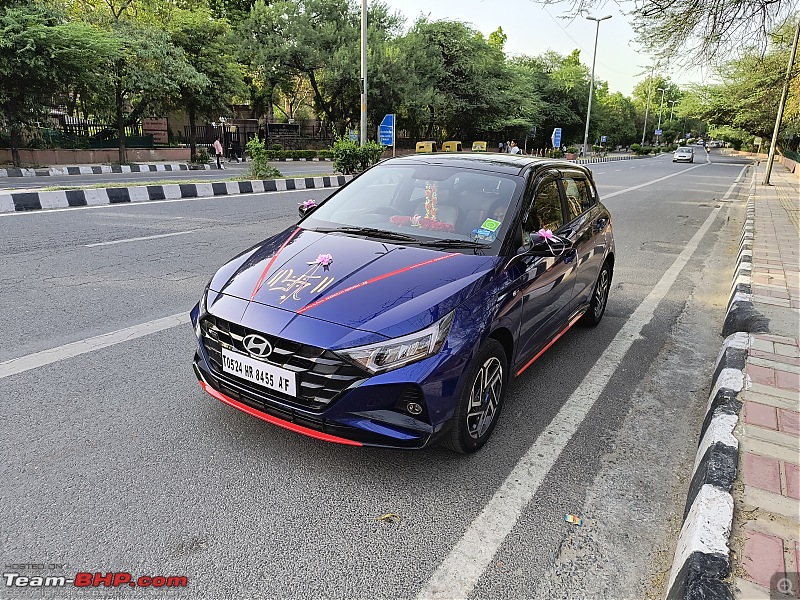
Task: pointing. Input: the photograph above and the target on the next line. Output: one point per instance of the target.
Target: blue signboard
(386, 131)
(556, 137)
(351, 133)
(658, 132)
(603, 139)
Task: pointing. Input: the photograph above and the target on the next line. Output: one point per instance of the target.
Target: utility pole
(363, 135)
(660, 110)
(591, 84)
(771, 157)
(647, 104)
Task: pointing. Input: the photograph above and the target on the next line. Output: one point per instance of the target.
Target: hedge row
(307, 154)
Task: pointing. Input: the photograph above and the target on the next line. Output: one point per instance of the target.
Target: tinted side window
(579, 195)
(546, 212)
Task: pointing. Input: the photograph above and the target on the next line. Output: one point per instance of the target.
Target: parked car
(683, 154)
(396, 311)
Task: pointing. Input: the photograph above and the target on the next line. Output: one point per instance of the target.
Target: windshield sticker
(484, 234)
(490, 224)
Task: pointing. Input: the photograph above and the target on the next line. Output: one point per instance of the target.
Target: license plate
(260, 373)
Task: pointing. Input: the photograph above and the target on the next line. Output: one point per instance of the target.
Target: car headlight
(202, 309)
(398, 352)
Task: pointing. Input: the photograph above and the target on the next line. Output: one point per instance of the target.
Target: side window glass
(546, 211)
(579, 195)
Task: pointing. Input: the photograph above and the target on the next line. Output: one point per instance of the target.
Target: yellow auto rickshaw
(479, 146)
(428, 146)
(451, 146)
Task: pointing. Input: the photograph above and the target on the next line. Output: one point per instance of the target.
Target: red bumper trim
(275, 420)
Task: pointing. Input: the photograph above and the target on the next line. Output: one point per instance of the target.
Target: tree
(205, 42)
(41, 57)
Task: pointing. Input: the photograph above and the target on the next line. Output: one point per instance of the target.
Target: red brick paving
(762, 415)
(792, 481)
(789, 421)
(762, 472)
(769, 550)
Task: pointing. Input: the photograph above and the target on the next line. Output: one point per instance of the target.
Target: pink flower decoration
(546, 234)
(323, 260)
(400, 220)
(415, 220)
(308, 204)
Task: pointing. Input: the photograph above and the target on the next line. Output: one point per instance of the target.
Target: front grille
(321, 375)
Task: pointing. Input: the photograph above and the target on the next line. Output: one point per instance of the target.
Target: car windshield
(424, 204)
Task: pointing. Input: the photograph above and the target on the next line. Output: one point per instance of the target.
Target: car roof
(511, 164)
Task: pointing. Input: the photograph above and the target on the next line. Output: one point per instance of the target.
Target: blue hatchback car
(397, 310)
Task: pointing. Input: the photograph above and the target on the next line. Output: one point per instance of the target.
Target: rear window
(683, 149)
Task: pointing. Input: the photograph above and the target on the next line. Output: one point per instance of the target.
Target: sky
(533, 28)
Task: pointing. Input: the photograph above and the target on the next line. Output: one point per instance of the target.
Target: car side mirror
(305, 208)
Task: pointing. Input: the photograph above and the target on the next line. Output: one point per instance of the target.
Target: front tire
(597, 307)
(481, 399)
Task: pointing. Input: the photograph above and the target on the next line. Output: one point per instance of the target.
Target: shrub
(572, 149)
(201, 155)
(635, 148)
(346, 155)
(259, 165)
(276, 147)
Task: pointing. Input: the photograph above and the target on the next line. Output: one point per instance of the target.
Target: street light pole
(591, 85)
(363, 72)
(660, 110)
(647, 104)
(672, 104)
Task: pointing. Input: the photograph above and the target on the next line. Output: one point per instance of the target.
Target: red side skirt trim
(553, 341)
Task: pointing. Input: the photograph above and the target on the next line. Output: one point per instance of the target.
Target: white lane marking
(45, 357)
(50, 211)
(139, 239)
(636, 187)
(458, 573)
(741, 173)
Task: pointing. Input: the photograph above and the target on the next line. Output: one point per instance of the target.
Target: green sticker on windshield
(490, 224)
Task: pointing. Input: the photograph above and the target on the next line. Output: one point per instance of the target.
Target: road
(237, 170)
(116, 461)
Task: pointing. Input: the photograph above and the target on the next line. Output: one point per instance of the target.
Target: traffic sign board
(658, 132)
(603, 139)
(386, 131)
(556, 137)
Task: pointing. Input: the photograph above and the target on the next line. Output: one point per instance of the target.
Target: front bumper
(380, 422)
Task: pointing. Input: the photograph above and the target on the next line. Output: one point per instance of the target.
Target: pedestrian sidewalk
(765, 540)
(741, 532)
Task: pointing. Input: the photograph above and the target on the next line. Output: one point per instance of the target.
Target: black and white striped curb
(741, 314)
(589, 161)
(702, 557)
(136, 168)
(22, 201)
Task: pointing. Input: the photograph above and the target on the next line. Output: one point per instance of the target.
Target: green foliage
(201, 156)
(276, 147)
(259, 165)
(349, 157)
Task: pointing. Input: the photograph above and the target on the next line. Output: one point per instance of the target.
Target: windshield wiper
(455, 244)
(370, 232)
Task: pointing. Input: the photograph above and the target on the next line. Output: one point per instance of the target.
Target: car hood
(380, 287)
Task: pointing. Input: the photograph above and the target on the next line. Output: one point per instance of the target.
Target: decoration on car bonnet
(308, 204)
(285, 280)
(323, 260)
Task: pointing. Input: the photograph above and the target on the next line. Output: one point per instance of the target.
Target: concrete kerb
(23, 201)
(701, 566)
(134, 168)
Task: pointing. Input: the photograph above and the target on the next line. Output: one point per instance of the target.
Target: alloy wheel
(485, 397)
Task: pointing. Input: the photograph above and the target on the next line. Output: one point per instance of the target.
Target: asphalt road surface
(116, 461)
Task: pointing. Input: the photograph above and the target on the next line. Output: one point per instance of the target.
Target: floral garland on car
(428, 221)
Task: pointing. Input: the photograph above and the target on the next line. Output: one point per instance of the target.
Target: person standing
(514, 148)
(218, 151)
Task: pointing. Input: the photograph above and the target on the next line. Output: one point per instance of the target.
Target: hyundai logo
(257, 345)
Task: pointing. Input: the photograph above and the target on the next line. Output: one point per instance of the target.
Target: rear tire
(597, 307)
(481, 399)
